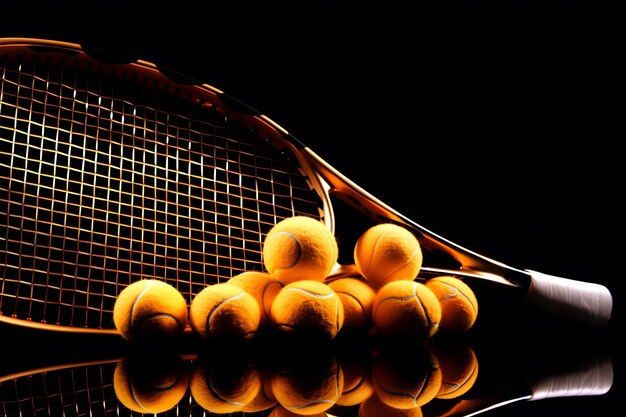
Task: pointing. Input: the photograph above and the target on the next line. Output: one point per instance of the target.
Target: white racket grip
(596, 378)
(582, 301)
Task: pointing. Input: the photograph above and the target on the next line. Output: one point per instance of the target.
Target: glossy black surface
(502, 371)
(492, 125)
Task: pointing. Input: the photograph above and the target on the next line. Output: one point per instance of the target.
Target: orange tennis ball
(459, 306)
(225, 385)
(308, 388)
(225, 311)
(459, 369)
(151, 383)
(150, 309)
(309, 309)
(388, 252)
(299, 248)
(357, 298)
(406, 378)
(262, 286)
(407, 308)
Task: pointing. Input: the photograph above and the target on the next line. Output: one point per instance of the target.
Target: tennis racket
(112, 171)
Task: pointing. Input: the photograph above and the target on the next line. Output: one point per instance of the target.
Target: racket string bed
(104, 182)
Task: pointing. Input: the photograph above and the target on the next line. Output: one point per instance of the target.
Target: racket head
(112, 171)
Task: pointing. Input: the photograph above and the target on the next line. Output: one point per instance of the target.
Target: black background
(498, 125)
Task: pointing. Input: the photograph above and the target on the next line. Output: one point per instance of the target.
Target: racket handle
(582, 301)
(594, 378)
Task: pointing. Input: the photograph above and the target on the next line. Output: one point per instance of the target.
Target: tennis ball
(299, 248)
(388, 252)
(224, 311)
(459, 368)
(150, 383)
(459, 306)
(406, 308)
(375, 407)
(308, 388)
(357, 298)
(406, 377)
(309, 309)
(150, 309)
(262, 286)
(224, 385)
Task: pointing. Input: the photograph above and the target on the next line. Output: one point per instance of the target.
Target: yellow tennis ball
(262, 286)
(309, 309)
(374, 406)
(224, 312)
(150, 309)
(459, 369)
(308, 388)
(357, 297)
(388, 252)
(224, 385)
(406, 378)
(150, 383)
(407, 308)
(459, 306)
(299, 248)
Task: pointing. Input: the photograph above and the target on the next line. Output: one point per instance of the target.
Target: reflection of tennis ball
(224, 311)
(265, 398)
(406, 377)
(406, 308)
(149, 309)
(357, 297)
(357, 382)
(150, 383)
(388, 252)
(225, 385)
(459, 368)
(299, 248)
(375, 407)
(308, 388)
(280, 411)
(459, 307)
(262, 286)
(309, 309)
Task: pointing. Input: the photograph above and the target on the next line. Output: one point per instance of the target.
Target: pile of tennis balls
(296, 296)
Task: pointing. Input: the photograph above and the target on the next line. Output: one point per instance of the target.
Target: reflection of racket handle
(583, 301)
(595, 378)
